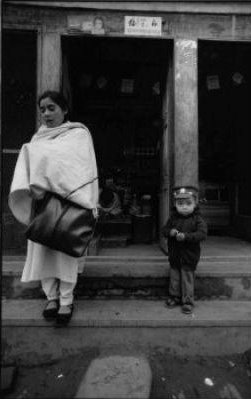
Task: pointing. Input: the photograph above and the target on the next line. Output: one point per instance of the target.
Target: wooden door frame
(166, 152)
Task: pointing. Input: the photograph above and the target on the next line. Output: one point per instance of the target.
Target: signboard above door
(143, 26)
(135, 25)
(94, 25)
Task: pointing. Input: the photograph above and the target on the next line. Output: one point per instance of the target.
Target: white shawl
(56, 159)
(59, 159)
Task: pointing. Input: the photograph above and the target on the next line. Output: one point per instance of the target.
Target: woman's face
(52, 114)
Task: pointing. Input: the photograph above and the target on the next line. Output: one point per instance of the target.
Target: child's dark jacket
(185, 254)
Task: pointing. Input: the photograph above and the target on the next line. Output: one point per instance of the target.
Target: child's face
(185, 206)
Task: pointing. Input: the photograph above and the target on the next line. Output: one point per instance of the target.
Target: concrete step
(215, 328)
(114, 241)
(115, 227)
(111, 276)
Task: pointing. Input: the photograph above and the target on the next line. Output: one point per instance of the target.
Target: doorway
(19, 66)
(224, 136)
(117, 87)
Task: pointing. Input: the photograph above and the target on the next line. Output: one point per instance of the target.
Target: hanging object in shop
(213, 82)
(237, 79)
(101, 82)
(156, 89)
(143, 26)
(127, 86)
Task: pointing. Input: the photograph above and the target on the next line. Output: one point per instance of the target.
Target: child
(184, 230)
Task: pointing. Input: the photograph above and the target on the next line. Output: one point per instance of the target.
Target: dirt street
(174, 377)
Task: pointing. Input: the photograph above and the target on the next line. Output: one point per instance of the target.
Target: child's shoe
(187, 308)
(172, 302)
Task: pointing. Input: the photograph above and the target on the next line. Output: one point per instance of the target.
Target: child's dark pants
(181, 285)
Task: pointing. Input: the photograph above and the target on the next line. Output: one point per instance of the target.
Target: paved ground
(173, 377)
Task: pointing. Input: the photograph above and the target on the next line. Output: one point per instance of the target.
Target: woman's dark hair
(58, 98)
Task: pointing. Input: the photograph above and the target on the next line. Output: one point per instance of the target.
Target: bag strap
(84, 253)
(83, 185)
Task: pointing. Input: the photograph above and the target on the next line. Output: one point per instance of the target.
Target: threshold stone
(116, 377)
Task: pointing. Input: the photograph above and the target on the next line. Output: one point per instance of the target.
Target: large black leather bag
(61, 225)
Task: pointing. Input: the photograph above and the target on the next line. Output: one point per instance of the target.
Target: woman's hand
(36, 193)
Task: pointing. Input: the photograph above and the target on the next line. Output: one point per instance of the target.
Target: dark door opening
(19, 76)
(116, 88)
(224, 133)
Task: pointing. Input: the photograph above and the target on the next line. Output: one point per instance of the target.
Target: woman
(59, 158)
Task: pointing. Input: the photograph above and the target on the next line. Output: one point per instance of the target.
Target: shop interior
(116, 87)
(224, 90)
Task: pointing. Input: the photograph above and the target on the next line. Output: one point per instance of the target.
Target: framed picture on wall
(127, 86)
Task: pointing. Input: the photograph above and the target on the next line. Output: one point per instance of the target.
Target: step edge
(98, 275)
(141, 258)
(173, 318)
(130, 323)
(111, 272)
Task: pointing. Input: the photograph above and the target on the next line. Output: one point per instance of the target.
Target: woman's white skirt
(43, 262)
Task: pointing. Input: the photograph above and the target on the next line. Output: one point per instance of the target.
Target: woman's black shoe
(63, 319)
(51, 309)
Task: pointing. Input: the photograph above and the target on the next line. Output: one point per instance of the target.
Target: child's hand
(173, 232)
(180, 237)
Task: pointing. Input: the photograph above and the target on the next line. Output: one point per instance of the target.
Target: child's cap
(185, 192)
